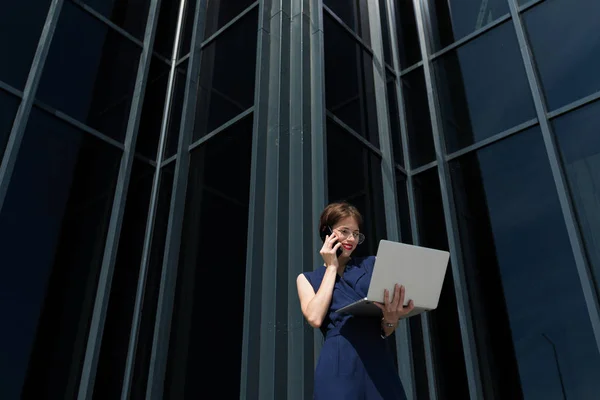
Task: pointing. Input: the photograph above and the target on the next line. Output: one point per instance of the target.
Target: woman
(355, 360)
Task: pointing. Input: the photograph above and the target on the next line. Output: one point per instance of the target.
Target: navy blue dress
(355, 362)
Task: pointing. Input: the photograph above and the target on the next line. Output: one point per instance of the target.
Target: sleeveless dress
(355, 361)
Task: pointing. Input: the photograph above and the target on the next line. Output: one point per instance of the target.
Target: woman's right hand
(329, 250)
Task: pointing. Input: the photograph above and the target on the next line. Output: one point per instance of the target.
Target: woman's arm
(315, 305)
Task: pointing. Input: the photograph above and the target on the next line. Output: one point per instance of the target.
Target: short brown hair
(337, 211)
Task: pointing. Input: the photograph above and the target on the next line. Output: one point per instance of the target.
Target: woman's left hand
(394, 310)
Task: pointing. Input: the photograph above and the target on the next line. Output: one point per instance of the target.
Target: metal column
(286, 185)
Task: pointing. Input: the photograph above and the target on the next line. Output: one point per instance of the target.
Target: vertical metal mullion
(300, 213)
(168, 279)
(558, 173)
(404, 136)
(460, 287)
(318, 138)
(398, 86)
(147, 246)
(295, 210)
(388, 173)
(7, 163)
(277, 156)
(90, 363)
(264, 361)
(383, 123)
(251, 354)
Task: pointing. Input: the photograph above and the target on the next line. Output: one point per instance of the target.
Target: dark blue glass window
(8, 109)
(565, 39)
(418, 120)
(226, 82)
(579, 144)
(153, 108)
(446, 338)
(353, 14)
(90, 72)
(349, 87)
(409, 50)
(127, 14)
(483, 88)
(219, 13)
(452, 20)
(21, 24)
(360, 184)
(53, 227)
(522, 275)
(217, 201)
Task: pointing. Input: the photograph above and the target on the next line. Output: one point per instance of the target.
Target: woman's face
(346, 231)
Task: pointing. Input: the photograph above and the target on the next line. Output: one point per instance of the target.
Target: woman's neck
(342, 262)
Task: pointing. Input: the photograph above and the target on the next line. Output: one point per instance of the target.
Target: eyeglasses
(345, 232)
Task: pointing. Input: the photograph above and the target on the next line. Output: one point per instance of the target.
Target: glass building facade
(164, 164)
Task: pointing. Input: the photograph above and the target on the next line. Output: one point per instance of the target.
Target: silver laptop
(420, 269)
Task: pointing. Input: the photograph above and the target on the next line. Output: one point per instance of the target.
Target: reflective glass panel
(53, 226)
(451, 20)
(152, 290)
(385, 33)
(124, 284)
(579, 144)
(8, 108)
(153, 109)
(166, 28)
(353, 13)
(21, 24)
(417, 344)
(403, 208)
(521, 274)
(394, 115)
(129, 15)
(219, 13)
(90, 72)
(217, 202)
(418, 120)
(187, 28)
(176, 109)
(226, 76)
(349, 88)
(446, 340)
(360, 185)
(483, 88)
(407, 35)
(565, 39)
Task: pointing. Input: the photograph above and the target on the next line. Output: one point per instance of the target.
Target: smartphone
(324, 234)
